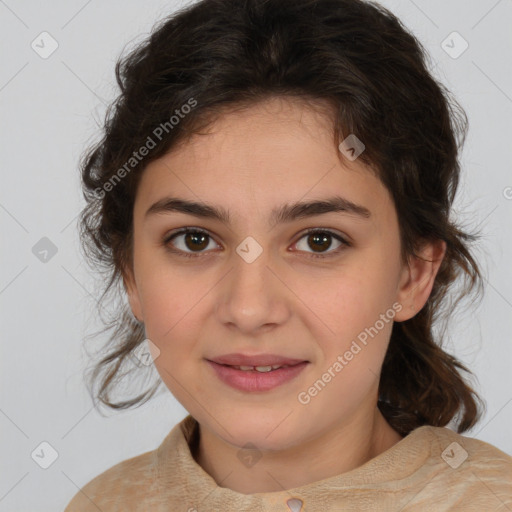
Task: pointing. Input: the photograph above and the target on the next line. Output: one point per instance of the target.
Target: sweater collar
(179, 475)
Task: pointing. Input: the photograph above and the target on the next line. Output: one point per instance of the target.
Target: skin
(285, 302)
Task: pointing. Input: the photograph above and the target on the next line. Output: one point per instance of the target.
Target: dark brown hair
(357, 57)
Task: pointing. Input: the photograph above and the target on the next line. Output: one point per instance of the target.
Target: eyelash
(185, 231)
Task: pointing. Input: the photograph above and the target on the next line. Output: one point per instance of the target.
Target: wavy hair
(357, 57)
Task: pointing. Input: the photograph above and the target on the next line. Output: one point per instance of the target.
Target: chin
(265, 434)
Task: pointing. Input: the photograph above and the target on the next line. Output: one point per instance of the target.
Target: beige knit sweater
(431, 469)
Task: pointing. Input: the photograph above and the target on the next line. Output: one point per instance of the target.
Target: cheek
(165, 289)
(349, 299)
(171, 324)
(350, 306)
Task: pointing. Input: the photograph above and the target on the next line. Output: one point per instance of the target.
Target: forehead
(276, 152)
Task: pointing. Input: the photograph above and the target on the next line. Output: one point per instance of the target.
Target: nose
(253, 295)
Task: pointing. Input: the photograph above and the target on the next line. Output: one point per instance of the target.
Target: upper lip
(255, 360)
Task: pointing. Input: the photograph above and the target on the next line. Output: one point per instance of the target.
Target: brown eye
(320, 241)
(190, 241)
(194, 242)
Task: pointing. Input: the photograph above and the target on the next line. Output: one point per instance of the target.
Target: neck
(336, 451)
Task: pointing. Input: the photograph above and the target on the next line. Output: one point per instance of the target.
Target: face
(260, 285)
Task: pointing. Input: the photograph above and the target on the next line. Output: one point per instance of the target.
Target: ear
(417, 278)
(132, 293)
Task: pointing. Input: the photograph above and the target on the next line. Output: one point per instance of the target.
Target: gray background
(50, 108)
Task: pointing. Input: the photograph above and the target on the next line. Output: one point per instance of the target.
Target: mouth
(260, 362)
(257, 378)
(260, 369)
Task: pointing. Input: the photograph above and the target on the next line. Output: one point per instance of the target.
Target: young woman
(273, 193)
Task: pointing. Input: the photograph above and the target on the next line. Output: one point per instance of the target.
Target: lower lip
(256, 381)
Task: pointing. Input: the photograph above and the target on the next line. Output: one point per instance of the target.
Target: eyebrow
(279, 215)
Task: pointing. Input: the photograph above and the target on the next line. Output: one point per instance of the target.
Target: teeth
(263, 368)
(260, 368)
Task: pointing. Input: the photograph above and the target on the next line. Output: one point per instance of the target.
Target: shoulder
(120, 487)
(149, 481)
(471, 472)
(456, 449)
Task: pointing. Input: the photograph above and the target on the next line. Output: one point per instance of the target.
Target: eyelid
(343, 239)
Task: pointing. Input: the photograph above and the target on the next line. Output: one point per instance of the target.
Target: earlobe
(418, 277)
